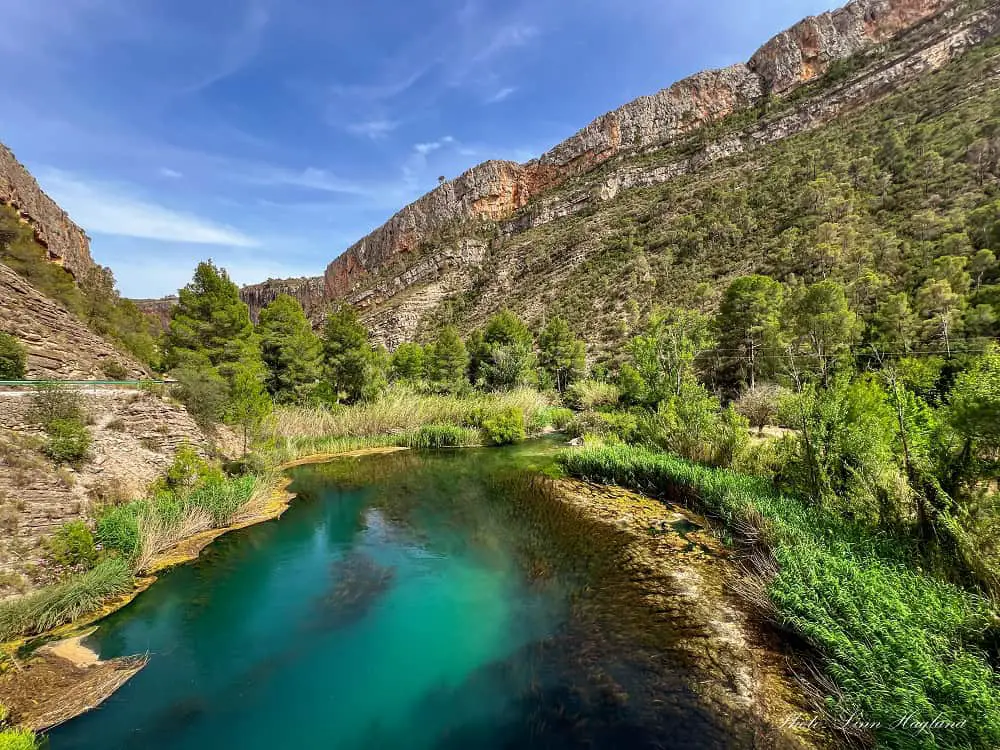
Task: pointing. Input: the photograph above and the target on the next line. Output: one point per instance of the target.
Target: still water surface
(410, 600)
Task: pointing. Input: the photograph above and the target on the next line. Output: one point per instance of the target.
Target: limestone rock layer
(67, 244)
(495, 189)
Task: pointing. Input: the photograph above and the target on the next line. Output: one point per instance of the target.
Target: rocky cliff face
(67, 244)
(59, 345)
(494, 190)
(310, 292)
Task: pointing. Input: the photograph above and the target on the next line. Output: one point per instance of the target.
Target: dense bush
(694, 426)
(202, 390)
(619, 426)
(188, 469)
(113, 369)
(50, 403)
(504, 428)
(72, 546)
(13, 358)
(592, 394)
(68, 440)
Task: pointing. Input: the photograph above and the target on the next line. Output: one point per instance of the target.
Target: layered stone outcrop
(158, 308)
(66, 243)
(59, 345)
(495, 189)
(309, 291)
(134, 438)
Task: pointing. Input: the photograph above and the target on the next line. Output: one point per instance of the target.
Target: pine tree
(347, 354)
(290, 349)
(211, 323)
(447, 360)
(822, 323)
(562, 356)
(503, 354)
(407, 362)
(249, 403)
(749, 324)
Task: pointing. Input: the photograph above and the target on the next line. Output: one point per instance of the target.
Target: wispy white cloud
(169, 173)
(109, 209)
(505, 38)
(241, 47)
(311, 178)
(374, 129)
(425, 148)
(501, 95)
(387, 87)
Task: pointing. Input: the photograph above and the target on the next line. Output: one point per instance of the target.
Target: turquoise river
(414, 600)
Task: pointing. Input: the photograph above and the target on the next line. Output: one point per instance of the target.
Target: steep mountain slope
(59, 346)
(133, 434)
(456, 252)
(66, 243)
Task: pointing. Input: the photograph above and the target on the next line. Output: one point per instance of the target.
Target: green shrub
(505, 428)
(616, 425)
(72, 546)
(188, 469)
(13, 358)
(66, 601)
(114, 370)
(51, 403)
(68, 440)
(202, 390)
(557, 417)
(443, 436)
(592, 394)
(18, 739)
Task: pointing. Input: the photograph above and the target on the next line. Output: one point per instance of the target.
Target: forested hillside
(897, 203)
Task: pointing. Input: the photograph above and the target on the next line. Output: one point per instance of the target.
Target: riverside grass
(17, 739)
(64, 602)
(403, 418)
(142, 529)
(402, 410)
(131, 536)
(901, 647)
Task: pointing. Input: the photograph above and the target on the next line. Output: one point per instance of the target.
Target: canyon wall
(495, 189)
(66, 243)
(59, 345)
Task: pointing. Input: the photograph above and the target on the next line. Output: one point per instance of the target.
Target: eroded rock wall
(135, 436)
(66, 243)
(495, 189)
(309, 291)
(59, 345)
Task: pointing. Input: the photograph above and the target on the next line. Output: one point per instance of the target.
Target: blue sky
(270, 135)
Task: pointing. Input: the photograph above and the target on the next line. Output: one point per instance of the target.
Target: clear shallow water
(410, 600)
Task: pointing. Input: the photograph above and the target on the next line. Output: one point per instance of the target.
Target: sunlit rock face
(495, 189)
(807, 50)
(67, 244)
(309, 291)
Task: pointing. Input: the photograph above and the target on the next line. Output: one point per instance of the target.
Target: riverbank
(901, 655)
(687, 576)
(54, 685)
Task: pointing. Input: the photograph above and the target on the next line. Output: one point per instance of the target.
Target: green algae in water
(408, 600)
